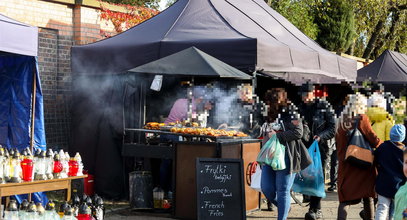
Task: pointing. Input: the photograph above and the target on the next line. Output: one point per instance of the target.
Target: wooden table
(10, 189)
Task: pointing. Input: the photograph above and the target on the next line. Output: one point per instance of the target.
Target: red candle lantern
(27, 167)
(57, 167)
(84, 212)
(73, 167)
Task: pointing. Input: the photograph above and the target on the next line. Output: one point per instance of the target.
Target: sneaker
(332, 188)
(310, 215)
(313, 214)
(270, 206)
(362, 214)
(318, 213)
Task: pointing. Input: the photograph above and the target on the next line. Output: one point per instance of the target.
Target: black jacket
(389, 163)
(319, 119)
(291, 138)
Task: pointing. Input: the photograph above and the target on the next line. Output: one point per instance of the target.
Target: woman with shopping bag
(287, 154)
(356, 173)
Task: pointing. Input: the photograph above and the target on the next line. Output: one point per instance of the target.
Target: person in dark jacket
(389, 162)
(283, 121)
(319, 124)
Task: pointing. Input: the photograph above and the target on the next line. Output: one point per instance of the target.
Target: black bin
(141, 190)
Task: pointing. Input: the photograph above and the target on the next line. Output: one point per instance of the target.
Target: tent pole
(34, 93)
(254, 81)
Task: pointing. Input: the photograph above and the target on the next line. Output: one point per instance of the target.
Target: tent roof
(17, 37)
(389, 67)
(246, 34)
(191, 62)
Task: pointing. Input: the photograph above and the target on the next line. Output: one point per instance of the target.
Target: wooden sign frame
(241, 181)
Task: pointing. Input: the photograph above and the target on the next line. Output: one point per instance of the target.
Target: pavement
(329, 210)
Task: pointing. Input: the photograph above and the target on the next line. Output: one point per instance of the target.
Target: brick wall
(61, 24)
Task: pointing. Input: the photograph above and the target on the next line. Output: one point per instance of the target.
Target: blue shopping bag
(272, 154)
(310, 181)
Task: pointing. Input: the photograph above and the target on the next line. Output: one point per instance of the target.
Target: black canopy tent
(389, 67)
(247, 35)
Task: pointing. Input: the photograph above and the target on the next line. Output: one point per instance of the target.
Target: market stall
(196, 142)
(248, 35)
(21, 101)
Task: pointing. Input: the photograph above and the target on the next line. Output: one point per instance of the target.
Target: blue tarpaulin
(18, 67)
(16, 85)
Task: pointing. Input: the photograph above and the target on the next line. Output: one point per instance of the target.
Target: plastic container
(89, 184)
(158, 196)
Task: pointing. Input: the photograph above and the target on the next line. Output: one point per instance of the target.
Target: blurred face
(246, 93)
(208, 105)
(405, 165)
(308, 97)
(281, 97)
(275, 96)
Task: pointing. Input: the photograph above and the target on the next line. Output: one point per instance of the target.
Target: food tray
(183, 135)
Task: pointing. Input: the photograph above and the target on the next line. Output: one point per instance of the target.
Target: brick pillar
(77, 24)
(86, 29)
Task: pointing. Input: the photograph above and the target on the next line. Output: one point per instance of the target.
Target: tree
(125, 20)
(298, 13)
(378, 24)
(336, 23)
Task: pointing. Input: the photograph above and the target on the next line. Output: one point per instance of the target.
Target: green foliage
(298, 13)
(336, 24)
(370, 12)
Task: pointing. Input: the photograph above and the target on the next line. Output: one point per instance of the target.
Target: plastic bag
(272, 154)
(256, 179)
(310, 181)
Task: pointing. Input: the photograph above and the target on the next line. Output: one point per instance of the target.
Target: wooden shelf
(9, 189)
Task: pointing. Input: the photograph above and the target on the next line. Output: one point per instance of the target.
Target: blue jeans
(276, 186)
(385, 208)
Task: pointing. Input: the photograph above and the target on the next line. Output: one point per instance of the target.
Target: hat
(199, 91)
(306, 87)
(398, 133)
(377, 100)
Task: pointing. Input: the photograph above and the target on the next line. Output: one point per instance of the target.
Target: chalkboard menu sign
(220, 189)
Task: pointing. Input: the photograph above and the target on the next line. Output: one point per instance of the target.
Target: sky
(163, 4)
